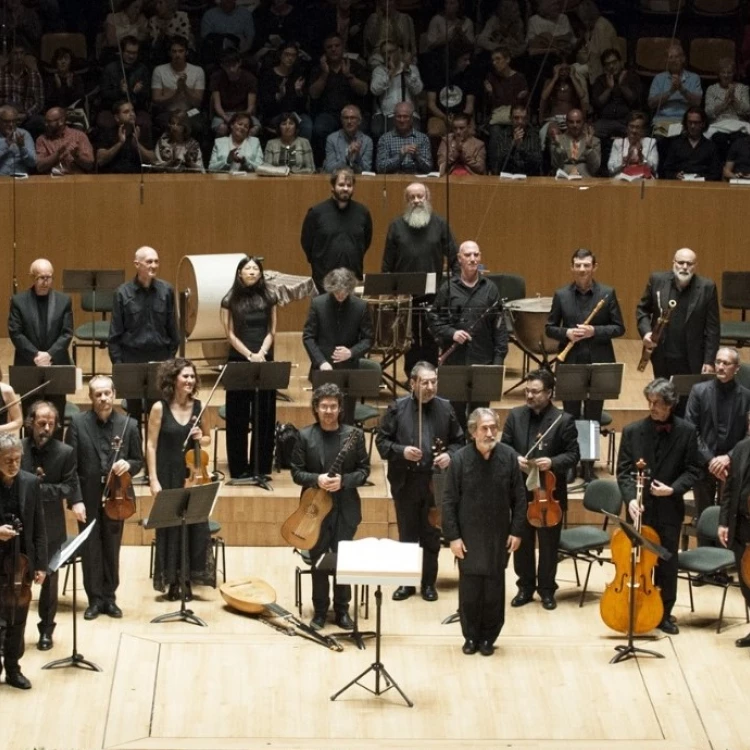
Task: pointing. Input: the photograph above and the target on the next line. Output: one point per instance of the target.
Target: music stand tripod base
(629, 651)
(356, 635)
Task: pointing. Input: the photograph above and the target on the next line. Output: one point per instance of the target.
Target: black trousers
(335, 530)
(481, 606)
(13, 637)
(585, 409)
(531, 577)
(48, 603)
(100, 556)
(240, 414)
(423, 347)
(665, 575)
(413, 504)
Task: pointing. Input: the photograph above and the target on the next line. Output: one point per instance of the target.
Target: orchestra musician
(407, 438)
(314, 454)
(54, 465)
(11, 416)
(172, 423)
(19, 499)
(92, 434)
(669, 446)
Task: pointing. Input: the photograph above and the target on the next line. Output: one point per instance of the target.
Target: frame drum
(528, 317)
(391, 323)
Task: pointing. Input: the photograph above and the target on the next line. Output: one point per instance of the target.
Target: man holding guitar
(318, 448)
(418, 434)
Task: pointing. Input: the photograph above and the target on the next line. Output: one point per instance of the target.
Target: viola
(16, 576)
(196, 464)
(119, 496)
(544, 509)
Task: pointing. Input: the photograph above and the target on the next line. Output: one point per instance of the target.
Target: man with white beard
(690, 340)
(419, 241)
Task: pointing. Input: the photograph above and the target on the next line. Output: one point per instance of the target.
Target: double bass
(648, 608)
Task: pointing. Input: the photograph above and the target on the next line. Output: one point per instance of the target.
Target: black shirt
(739, 155)
(10, 508)
(702, 159)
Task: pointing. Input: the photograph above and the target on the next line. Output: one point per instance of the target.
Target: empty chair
(651, 55)
(94, 333)
(715, 8)
(735, 295)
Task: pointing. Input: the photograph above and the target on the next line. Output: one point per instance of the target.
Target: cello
(543, 510)
(647, 603)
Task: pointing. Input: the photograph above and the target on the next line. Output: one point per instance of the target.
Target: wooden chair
(715, 8)
(76, 43)
(705, 54)
(651, 55)
(661, 7)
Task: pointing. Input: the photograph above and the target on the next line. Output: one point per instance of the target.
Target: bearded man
(419, 241)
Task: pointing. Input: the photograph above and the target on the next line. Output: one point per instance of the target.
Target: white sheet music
(379, 562)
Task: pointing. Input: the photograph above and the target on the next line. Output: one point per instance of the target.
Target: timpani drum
(528, 318)
(391, 323)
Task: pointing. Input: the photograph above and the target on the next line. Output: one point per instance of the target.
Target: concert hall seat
(735, 295)
(363, 412)
(705, 54)
(93, 334)
(715, 8)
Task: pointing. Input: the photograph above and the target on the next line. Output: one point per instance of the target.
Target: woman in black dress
(248, 313)
(171, 421)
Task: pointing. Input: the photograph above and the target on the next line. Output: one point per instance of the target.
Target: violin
(196, 463)
(16, 575)
(119, 496)
(434, 514)
(615, 602)
(544, 511)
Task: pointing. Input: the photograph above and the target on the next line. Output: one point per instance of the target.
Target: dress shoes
(521, 598)
(45, 642)
(403, 592)
(344, 621)
(92, 612)
(469, 647)
(173, 594)
(743, 642)
(548, 601)
(668, 627)
(17, 680)
(429, 594)
(318, 622)
(111, 609)
(486, 648)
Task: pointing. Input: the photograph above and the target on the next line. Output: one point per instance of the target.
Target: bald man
(64, 149)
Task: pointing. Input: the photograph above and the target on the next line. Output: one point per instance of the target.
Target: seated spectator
(519, 150)
(614, 94)
(63, 87)
(339, 18)
(672, 92)
(124, 151)
(21, 86)
(21, 23)
(635, 154)
(226, 18)
(336, 82)
(404, 149)
(691, 153)
(130, 79)
(63, 149)
(282, 89)
(176, 150)
(232, 90)
(577, 150)
(727, 102)
(276, 22)
(460, 153)
(561, 94)
(397, 80)
(456, 95)
(388, 23)
(178, 85)
(166, 23)
(17, 154)
(737, 165)
(349, 147)
(238, 151)
(598, 35)
(289, 150)
(549, 30)
(450, 27)
(504, 28)
(128, 21)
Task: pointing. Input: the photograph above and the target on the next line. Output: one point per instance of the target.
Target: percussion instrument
(528, 318)
(391, 323)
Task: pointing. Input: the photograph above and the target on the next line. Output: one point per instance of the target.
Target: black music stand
(636, 541)
(256, 376)
(58, 560)
(182, 507)
(353, 383)
(471, 383)
(683, 384)
(58, 381)
(92, 281)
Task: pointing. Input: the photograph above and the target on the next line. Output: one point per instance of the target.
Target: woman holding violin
(248, 313)
(544, 437)
(23, 554)
(11, 417)
(174, 441)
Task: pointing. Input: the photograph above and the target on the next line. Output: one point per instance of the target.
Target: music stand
(379, 562)
(58, 382)
(471, 383)
(92, 281)
(182, 507)
(683, 384)
(58, 560)
(256, 376)
(636, 541)
(353, 383)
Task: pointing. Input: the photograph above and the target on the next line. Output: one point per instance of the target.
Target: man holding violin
(22, 521)
(545, 439)
(94, 436)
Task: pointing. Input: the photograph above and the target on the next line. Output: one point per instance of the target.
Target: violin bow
(542, 436)
(197, 419)
(25, 395)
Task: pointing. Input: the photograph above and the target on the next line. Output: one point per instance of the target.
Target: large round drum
(391, 323)
(528, 318)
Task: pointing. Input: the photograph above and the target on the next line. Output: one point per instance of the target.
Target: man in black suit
(718, 411)
(338, 329)
(411, 465)
(689, 342)
(556, 452)
(40, 324)
(54, 465)
(19, 499)
(314, 455)
(734, 517)
(669, 446)
(92, 435)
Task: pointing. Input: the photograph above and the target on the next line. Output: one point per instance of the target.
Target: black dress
(170, 471)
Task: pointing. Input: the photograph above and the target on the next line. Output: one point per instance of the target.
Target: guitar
(302, 528)
(254, 596)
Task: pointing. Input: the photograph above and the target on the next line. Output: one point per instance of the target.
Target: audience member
(22, 22)
(276, 22)
(349, 146)
(404, 149)
(672, 92)
(167, 22)
(561, 94)
(239, 151)
(727, 102)
(17, 154)
(691, 153)
(176, 150)
(519, 150)
(614, 94)
(233, 90)
(339, 17)
(451, 95)
(504, 28)
(635, 155)
(449, 27)
(737, 165)
(21, 86)
(226, 18)
(460, 153)
(63, 87)
(549, 30)
(388, 23)
(598, 35)
(577, 151)
(129, 20)
(62, 149)
(289, 150)
(124, 151)
(396, 80)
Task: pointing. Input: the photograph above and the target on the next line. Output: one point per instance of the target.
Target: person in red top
(63, 148)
